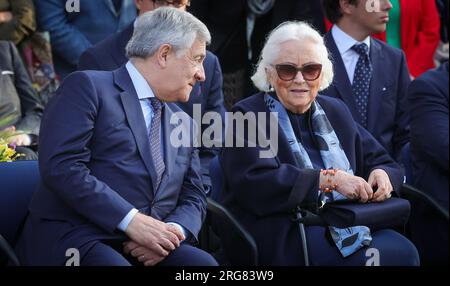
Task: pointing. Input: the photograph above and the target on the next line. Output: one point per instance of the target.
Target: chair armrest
(243, 246)
(409, 192)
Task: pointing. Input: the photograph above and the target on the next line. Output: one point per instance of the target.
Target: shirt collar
(344, 41)
(141, 86)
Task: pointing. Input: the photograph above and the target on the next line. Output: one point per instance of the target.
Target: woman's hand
(379, 179)
(353, 187)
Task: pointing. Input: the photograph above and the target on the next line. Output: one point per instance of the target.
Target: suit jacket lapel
(377, 83)
(341, 81)
(135, 118)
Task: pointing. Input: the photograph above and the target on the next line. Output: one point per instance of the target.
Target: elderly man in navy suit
(371, 77)
(207, 95)
(111, 175)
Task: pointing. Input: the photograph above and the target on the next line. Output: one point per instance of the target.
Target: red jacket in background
(419, 27)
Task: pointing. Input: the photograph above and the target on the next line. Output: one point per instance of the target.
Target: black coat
(262, 192)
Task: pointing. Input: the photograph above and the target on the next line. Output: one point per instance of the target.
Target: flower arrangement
(7, 152)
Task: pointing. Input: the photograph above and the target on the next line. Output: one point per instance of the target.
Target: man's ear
(164, 52)
(346, 7)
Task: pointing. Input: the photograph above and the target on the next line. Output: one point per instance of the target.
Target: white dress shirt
(344, 43)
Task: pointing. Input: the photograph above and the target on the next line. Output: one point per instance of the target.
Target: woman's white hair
(291, 30)
(165, 25)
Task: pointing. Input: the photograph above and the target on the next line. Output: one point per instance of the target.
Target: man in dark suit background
(428, 103)
(110, 54)
(110, 171)
(20, 107)
(373, 83)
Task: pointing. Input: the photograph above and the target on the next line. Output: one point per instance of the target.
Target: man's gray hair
(165, 25)
(286, 31)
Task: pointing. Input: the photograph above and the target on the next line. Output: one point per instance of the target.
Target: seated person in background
(110, 172)
(428, 103)
(315, 132)
(19, 105)
(374, 92)
(109, 54)
(74, 28)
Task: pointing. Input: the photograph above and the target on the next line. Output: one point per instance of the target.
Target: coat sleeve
(401, 129)
(429, 121)
(191, 207)
(266, 186)
(374, 156)
(31, 106)
(67, 41)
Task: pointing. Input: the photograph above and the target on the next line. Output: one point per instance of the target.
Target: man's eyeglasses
(173, 3)
(288, 72)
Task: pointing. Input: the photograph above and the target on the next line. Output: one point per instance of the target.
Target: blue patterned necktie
(361, 81)
(155, 139)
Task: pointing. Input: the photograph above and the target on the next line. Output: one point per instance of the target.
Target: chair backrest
(238, 245)
(18, 181)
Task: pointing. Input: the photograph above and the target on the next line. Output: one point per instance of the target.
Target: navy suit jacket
(110, 54)
(387, 108)
(95, 165)
(428, 103)
(262, 192)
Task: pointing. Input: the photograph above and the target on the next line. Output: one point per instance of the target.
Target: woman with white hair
(322, 155)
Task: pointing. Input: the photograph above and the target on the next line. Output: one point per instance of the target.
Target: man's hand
(153, 234)
(379, 179)
(143, 254)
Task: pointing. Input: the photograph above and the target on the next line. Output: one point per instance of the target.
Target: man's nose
(200, 74)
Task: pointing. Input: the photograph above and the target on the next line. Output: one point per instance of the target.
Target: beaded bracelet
(330, 186)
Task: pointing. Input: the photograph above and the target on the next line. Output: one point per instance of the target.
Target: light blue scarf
(348, 240)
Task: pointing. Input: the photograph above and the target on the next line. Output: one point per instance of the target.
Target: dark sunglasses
(288, 72)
